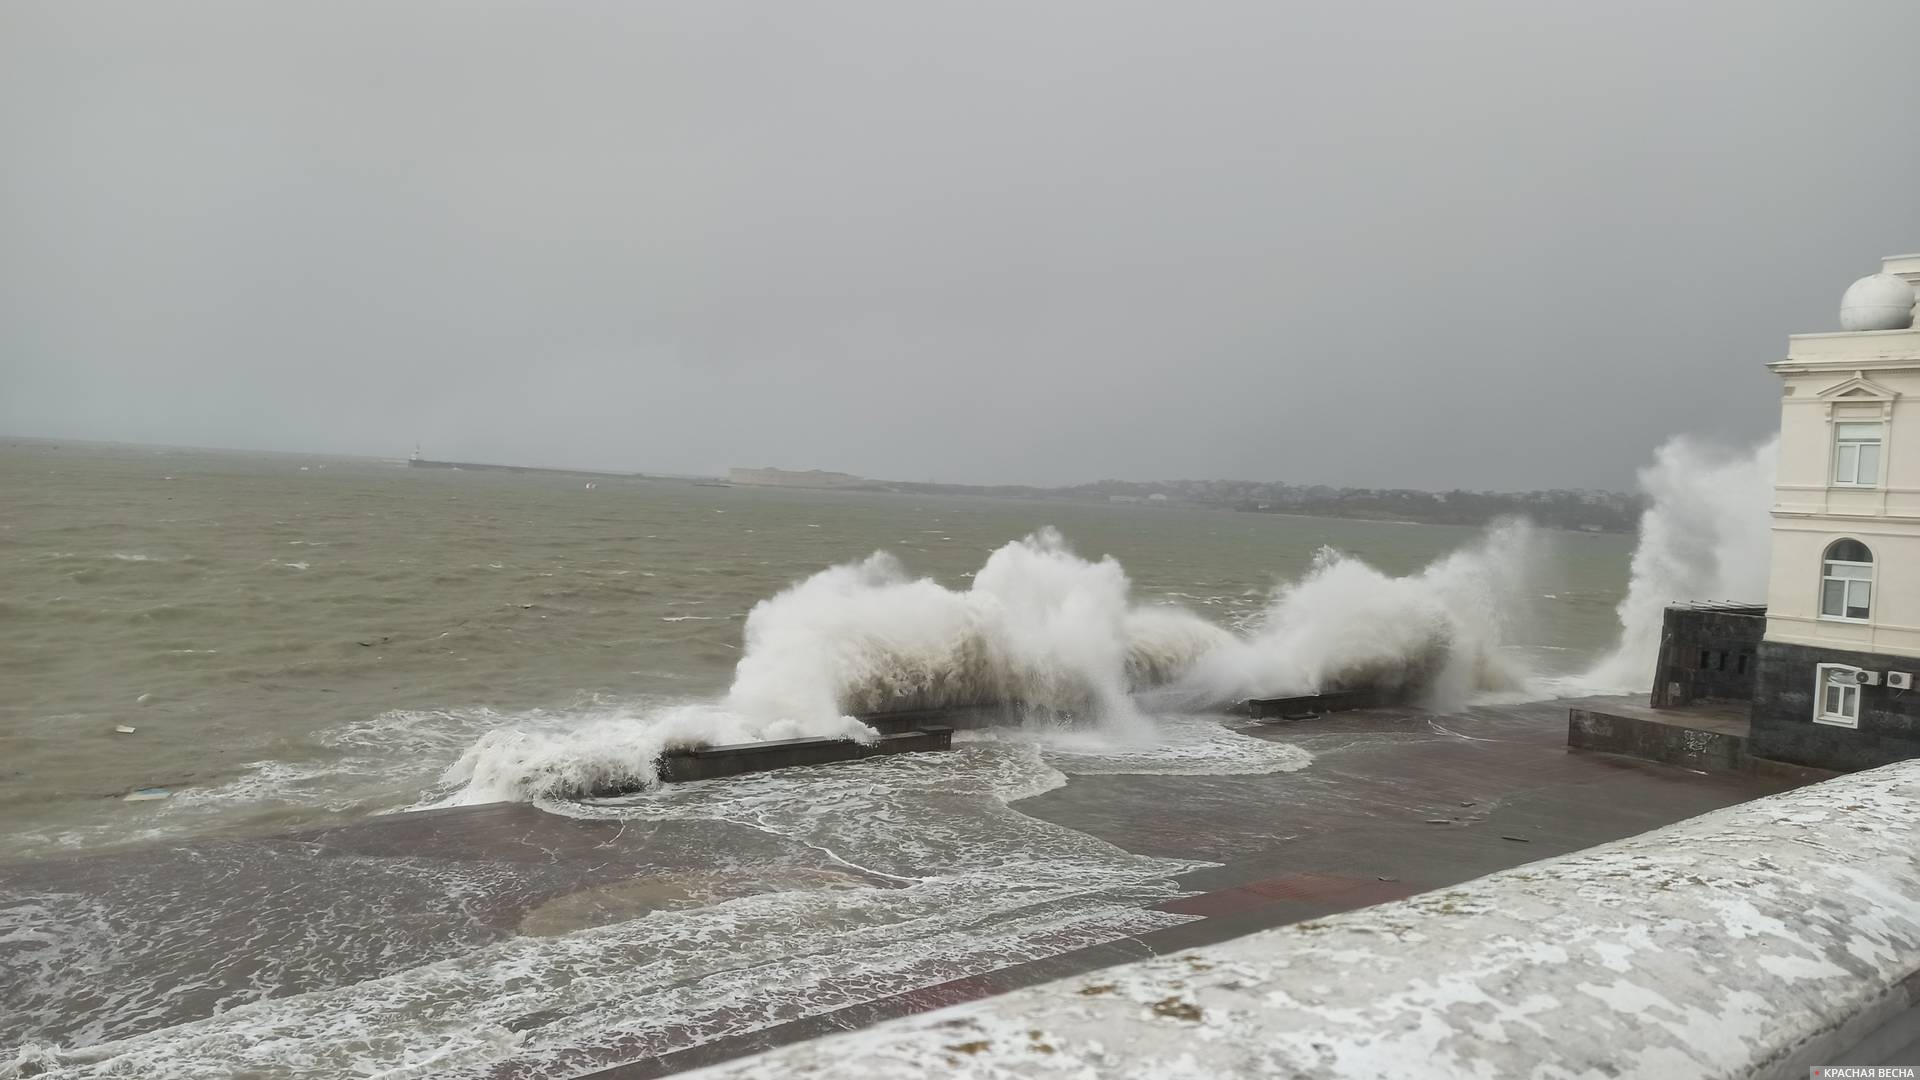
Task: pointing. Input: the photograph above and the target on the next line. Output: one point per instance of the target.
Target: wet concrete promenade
(1395, 802)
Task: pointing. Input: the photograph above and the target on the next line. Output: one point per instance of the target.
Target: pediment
(1858, 388)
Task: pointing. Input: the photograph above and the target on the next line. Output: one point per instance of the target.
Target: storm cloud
(1465, 244)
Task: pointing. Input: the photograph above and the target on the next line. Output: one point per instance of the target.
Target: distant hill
(1580, 510)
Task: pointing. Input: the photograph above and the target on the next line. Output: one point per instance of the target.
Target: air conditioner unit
(1900, 680)
(1867, 678)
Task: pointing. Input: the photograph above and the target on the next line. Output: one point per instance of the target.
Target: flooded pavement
(660, 931)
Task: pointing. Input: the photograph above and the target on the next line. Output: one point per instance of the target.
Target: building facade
(1835, 673)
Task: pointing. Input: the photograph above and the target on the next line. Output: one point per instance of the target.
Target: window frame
(1848, 692)
(1848, 582)
(1879, 441)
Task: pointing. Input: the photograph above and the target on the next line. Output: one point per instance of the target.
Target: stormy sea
(205, 646)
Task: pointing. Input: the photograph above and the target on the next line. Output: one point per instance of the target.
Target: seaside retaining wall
(1754, 941)
(1671, 743)
(1783, 707)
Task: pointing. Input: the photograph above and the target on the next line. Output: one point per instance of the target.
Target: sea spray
(1039, 628)
(1435, 636)
(1164, 642)
(1704, 536)
(605, 751)
(1053, 634)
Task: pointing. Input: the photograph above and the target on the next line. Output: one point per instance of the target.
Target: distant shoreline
(1571, 511)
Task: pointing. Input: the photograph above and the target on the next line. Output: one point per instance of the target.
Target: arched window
(1846, 581)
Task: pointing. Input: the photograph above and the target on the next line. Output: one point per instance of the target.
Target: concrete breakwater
(921, 730)
(713, 762)
(901, 732)
(1310, 706)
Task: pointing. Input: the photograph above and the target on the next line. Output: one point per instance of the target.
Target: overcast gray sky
(1413, 244)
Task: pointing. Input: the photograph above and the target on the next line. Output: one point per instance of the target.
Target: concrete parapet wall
(1306, 705)
(957, 717)
(735, 759)
(1750, 942)
(1670, 742)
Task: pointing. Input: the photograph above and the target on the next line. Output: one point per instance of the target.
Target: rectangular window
(1846, 590)
(1836, 695)
(1859, 595)
(1856, 454)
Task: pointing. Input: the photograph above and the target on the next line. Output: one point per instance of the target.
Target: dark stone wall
(1783, 727)
(712, 762)
(1706, 654)
(1310, 705)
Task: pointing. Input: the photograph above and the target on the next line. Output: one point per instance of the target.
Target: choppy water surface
(305, 640)
(296, 636)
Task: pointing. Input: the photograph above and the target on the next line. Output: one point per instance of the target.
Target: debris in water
(124, 729)
(1521, 839)
(1438, 821)
(146, 794)
(143, 699)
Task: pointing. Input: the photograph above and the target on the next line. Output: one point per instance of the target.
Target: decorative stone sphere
(1877, 302)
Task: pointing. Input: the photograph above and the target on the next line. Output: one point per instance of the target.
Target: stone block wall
(1783, 710)
(1707, 654)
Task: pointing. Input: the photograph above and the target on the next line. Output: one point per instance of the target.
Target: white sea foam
(1047, 631)
(608, 750)
(1179, 745)
(956, 883)
(266, 781)
(1436, 635)
(1705, 536)
(1039, 627)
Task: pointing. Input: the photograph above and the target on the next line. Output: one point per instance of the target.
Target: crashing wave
(1048, 632)
(1434, 636)
(1040, 628)
(1704, 536)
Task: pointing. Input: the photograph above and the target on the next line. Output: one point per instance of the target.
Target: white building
(1843, 597)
